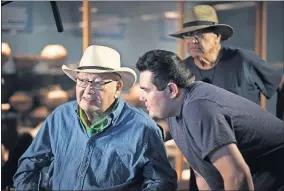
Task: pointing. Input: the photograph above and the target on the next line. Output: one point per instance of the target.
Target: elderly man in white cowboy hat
(98, 142)
(234, 69)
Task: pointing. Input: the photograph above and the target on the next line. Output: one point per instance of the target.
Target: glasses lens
(98, 85)
(81, 82)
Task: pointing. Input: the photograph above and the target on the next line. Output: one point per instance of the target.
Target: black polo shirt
(212, 117)
(241, 72)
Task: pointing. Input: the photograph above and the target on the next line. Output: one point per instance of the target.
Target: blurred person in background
(237, 70)
(230, 142)
(97, 142)
(23, 141)
(4, 155)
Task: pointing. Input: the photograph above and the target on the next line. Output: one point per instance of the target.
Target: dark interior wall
(141, 35)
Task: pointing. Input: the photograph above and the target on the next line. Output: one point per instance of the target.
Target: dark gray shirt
(240, 72)
(212, 117)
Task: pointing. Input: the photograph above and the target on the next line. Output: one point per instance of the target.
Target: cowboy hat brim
(226, 31)
(128, 76)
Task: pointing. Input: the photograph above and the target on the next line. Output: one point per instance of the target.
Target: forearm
(201, 182)
(247, 182)
(241, 181)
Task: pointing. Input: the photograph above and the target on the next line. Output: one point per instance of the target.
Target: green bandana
(100, 125)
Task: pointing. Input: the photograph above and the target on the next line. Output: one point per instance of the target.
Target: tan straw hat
(101, 59)
(203, 17)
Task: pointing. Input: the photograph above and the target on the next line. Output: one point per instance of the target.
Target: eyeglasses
(83, 83)
(196, 34)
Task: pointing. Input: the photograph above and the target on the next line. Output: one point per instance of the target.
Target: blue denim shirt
(128, 155)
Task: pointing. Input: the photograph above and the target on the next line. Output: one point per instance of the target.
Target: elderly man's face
(201, 42)
(96, 92)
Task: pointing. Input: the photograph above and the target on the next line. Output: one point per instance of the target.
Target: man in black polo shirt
(237, 70)
(229, 141)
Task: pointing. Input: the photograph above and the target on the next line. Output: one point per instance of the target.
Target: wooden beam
(86, 25)
(180, 24)
(261, 37)
(263, 28)
(263, 42)
(257, 29)
(179, 158)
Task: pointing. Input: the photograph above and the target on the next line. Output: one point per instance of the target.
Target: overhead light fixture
(230, 6)
(149, 17)
(5, 106)
(6, 50)
(171, 15)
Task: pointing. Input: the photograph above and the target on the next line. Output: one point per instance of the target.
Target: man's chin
(94, 109)
(195, 54)
(151, 115)
(154, 116)
(91, 109)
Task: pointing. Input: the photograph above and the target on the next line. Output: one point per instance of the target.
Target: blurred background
(33, 51)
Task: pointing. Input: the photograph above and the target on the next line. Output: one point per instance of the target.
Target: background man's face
(200, 44)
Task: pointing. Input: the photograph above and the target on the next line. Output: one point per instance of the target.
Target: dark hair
(166, 67)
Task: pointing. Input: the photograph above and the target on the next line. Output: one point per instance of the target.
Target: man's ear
(218, 39)
(172, 90)
(119, 88)
(119, 85)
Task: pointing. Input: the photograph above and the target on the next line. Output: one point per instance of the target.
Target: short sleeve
(262, 74)
(210, 126)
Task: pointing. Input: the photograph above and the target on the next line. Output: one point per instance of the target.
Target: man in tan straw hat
(236, 70)
(98, 142)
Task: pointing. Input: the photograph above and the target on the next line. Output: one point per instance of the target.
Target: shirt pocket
(115, 169)
(123, 165)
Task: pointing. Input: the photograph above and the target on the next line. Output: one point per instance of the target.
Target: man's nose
(141, 98)
(90, 89)
(192, 40)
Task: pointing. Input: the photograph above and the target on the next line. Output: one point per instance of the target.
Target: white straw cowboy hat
(203, 17)
(101, 59)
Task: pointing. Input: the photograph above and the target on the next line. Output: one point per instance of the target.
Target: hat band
(94, 67)
(196, 23)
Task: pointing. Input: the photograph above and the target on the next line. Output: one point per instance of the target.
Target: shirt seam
(228, 112)
(216, 146)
